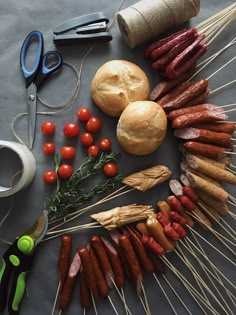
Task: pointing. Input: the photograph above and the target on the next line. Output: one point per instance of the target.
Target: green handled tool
(16, 261)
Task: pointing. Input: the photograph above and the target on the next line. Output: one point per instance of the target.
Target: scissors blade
(38, 230)
(31, 93)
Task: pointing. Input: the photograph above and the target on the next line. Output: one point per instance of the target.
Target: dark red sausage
(188, 110)
(185, 57)
(217, 126)
(189, 192)
(157, 52)
(187, 203)
(200, 98)
(88, 271)
(159, 265)
(176, 217)
(171, 232)
(198, 117)
(115, 237)
(176, 68)
(64, 257)
(195, 89)
(141, 252)
(162, 41)
(210, 150)
(152, 245)
(174, 93)
(100, 279)
(85, 297)
(68, 287)
(135, 269)
(114, 257)
(205, 136)
(103, 259)
(170, 55)
(166, 86)
(175, 204)
(179, 229)
(162, 218)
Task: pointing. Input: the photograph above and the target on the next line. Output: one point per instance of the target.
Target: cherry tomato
(48, 128)
(49, 177)
(67, 152)
(71, 130)
(49, 148)
(94, 124)
(86, 139)
(110, 169)
(93, 150)
(83, 114)
(104, 144)
(65, 171)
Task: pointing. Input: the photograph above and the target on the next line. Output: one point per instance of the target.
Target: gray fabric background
(18, 18)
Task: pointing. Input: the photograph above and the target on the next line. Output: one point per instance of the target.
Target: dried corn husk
(120, 216)
(148, 178)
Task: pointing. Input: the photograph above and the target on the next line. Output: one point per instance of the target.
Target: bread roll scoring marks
(118, 83)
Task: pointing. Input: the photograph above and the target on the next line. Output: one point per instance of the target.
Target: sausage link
(68, 287)
(200, 98)
(209, 150)
(227, 127)
(186, 96)
(103, 259)
(85, 297)
(189, 192)
(174, 93)
(203, 221)
(176, 217)
(162, 218)
(100, 279)
(152, 245)
(164, 207)
(170, 55)
(187, 203)
(140, 252)
(156, 230)
(159, 265)
(112, 253)
(198, 117)
(142, 228)
(171, 232)
(64, 257)
(220, 207)
(205, 136)
(166, 86)
(190, 109)
(211, 213)
(175, 204)
(134, 266)
(88, 271)
(179, 229)
(162, 41)
(157, 52)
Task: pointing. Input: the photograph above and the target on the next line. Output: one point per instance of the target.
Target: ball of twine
(147, 19)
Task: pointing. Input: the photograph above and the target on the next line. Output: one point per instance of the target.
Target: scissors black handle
(15, 265)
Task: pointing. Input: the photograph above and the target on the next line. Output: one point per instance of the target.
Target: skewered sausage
(209, 150)
(64, 257)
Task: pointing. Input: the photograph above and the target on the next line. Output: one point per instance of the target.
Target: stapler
(91, 27)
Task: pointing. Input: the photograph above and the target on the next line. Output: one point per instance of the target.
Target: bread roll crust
(118, 83)
(142, 127)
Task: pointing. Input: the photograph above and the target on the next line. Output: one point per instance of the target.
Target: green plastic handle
(3, 267)
(19, 291)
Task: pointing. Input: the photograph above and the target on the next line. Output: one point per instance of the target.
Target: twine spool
(147, 19)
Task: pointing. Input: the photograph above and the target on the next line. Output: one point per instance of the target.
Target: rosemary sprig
(70, 195)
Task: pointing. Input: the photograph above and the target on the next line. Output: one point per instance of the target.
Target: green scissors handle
(16, 261)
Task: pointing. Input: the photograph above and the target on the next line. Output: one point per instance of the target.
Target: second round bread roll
(118, 83)
(142, 127)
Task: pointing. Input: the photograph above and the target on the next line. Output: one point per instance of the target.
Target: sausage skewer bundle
(179, 52)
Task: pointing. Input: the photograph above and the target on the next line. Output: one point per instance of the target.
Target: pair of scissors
(16, 261)
(35, 76)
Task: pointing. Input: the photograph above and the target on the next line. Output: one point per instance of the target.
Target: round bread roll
(142, 127)
(118, 83)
